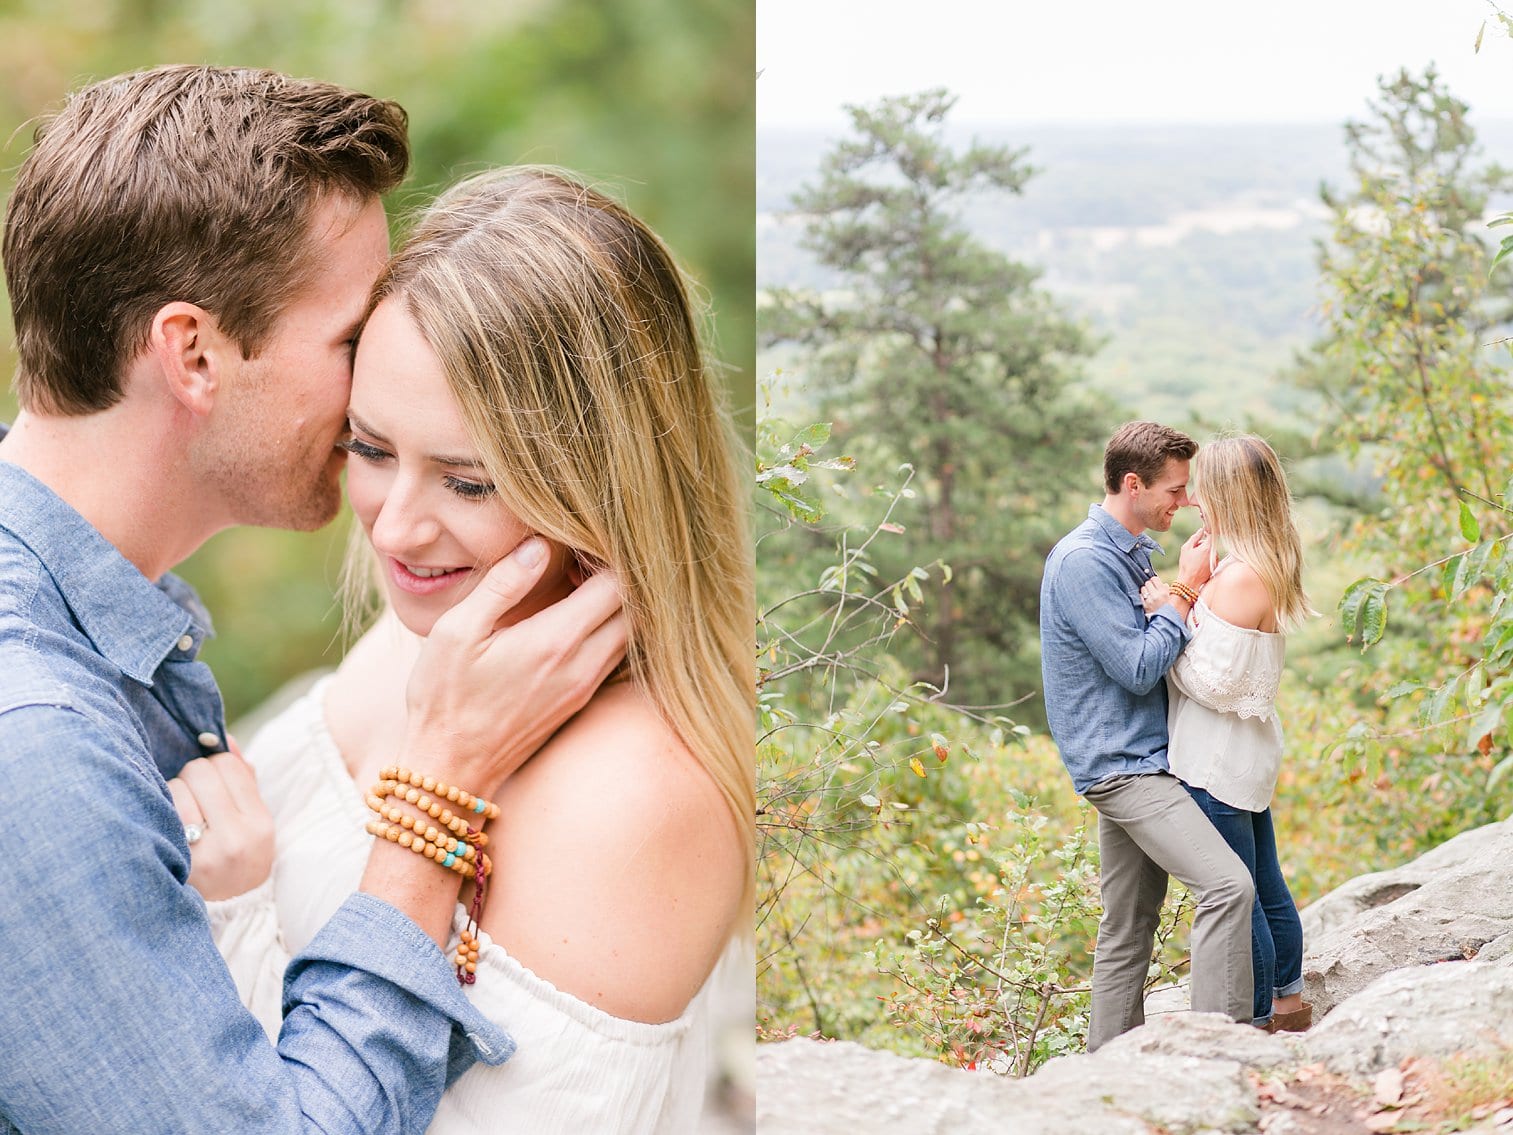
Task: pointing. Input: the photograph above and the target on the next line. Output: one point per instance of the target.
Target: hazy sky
(1122, 60)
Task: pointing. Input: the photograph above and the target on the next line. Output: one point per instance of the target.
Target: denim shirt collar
(1120, 536)
(132, 622)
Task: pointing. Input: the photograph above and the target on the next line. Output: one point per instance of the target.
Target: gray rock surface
(806, 1087)
(814, 1088)
(1418, 1011)
(1366, 892)
(1416, 961)
(1445, 906)
(1208, 1036)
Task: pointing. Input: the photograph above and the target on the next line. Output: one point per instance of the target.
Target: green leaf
(1374, 618)
(1350, 606)
(1501, 648)
(813, 436)
(1503, 251)
(1463, 576)
(1499, 773)
(797, 507)
(1450, 573)
(1432, 712)
(791, 474)
(1469, 528)
(1485, 722)
(1477, 557)
(1404, 688)
(1363, 608)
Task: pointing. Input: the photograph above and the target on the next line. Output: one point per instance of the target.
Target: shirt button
(186, 642)
(209, 740)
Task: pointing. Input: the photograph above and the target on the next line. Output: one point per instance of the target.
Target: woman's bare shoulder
(1238, 595)
(619, 867)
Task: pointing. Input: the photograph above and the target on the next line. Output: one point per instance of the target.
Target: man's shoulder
(39, 669)
(1085, 534)
(21, 571)
(1084, 544)
(54, 706)
(45, 661)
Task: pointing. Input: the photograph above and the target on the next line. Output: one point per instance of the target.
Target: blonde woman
(530, 370)
(1225, 737)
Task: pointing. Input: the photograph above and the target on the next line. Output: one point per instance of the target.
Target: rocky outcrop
(1446, 906)
(1410, 964)
(1457, 1007)
(817, 1088)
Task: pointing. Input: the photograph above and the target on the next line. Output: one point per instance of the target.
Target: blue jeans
(1276, 932)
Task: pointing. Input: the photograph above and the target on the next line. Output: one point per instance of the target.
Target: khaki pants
(1149, 828)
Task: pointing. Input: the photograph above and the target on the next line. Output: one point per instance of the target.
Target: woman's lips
(408, 581)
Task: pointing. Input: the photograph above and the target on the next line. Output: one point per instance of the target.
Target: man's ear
(191, 352)
(1130, 483)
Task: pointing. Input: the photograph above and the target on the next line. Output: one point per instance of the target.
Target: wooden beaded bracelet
(1187, 594)
(467, 954)
(417, 843)
(460, 852)
(464, 847)
(455, 795)
(433, 808)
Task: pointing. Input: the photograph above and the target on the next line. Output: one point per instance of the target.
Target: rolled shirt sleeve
(118, 1013)
(247, 935)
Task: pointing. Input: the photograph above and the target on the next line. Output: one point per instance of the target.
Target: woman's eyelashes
(468, 490)
(364, 450)
(471, 490)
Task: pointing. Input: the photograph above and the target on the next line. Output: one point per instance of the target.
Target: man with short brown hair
(1103, 665)
(189, 253)
(1144, 449)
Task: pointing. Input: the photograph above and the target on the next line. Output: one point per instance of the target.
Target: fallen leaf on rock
(1388, 1087)
(1276, 1092)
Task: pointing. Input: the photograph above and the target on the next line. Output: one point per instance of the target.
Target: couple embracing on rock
(1161, 699)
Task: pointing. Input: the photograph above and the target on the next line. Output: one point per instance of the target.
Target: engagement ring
(193, 832)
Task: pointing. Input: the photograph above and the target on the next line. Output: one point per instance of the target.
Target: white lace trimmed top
(1225, 736)
(577, 1068)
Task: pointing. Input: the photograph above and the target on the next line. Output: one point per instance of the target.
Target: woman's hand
(1155, 594)
(1195, 563)
(484, 696)
(234, 852)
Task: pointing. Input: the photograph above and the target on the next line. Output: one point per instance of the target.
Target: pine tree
(941, 351)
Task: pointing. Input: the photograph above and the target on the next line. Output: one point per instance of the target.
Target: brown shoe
(1296, 1021)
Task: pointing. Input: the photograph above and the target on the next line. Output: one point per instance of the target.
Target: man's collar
(131, 621)
(1122, 538)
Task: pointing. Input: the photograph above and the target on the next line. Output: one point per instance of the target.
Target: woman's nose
(404, 524)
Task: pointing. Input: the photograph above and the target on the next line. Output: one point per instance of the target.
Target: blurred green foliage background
(652, 98)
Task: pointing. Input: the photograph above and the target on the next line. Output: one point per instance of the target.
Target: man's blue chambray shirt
(116, 1012)
(1102, 662)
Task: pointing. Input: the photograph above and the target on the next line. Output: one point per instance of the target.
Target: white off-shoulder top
(1224, 733)
(577, 1069)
